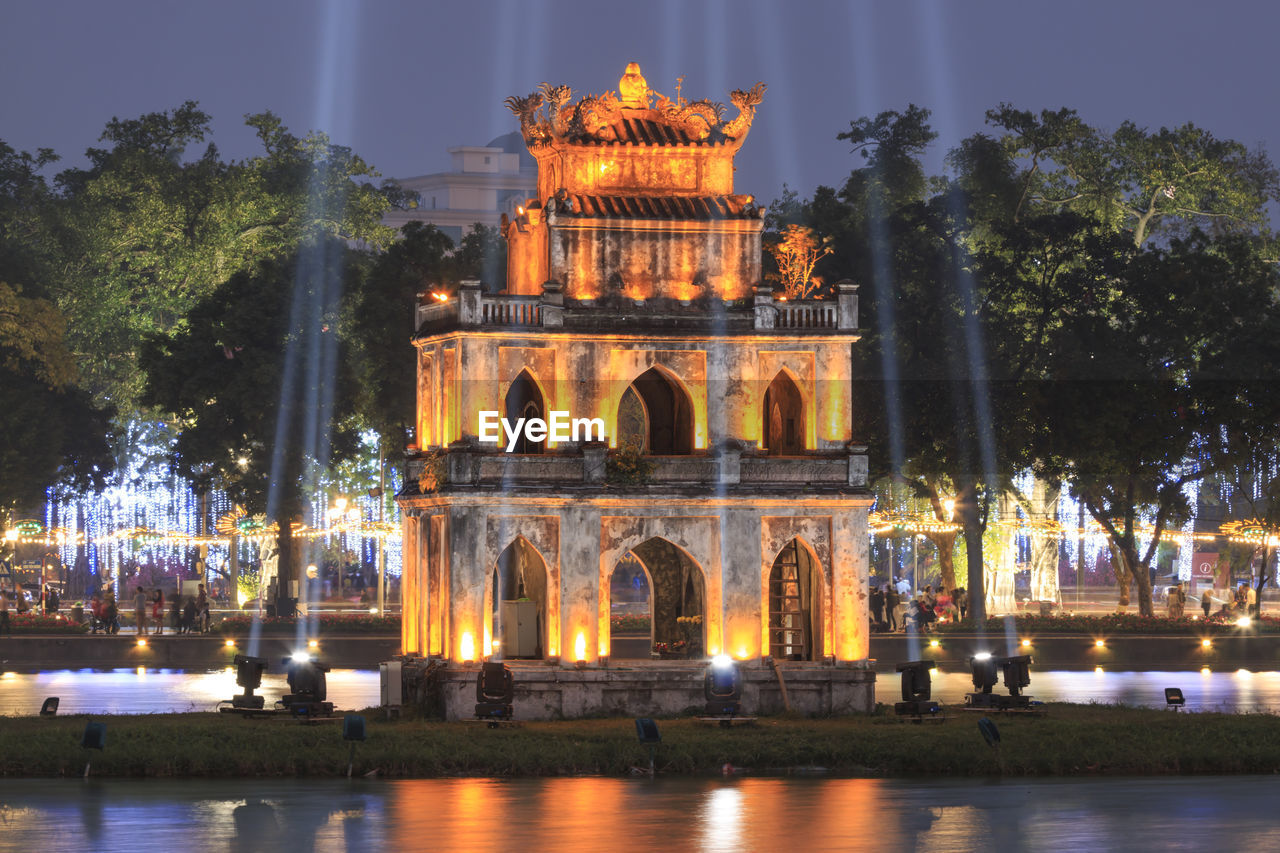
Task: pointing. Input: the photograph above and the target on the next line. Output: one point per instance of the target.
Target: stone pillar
(766, 314)
(850, 608)
(594, 461)
(468, 575)
(847, 302)
(740, 564)
(729, 462)
(858, 466)
(579, 582)
(552, 305)
(469, 307)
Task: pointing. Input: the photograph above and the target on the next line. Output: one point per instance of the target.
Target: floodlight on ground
(1102, 644)
(142, 642)
(50, 707)
(990, 733)
(249, 676)
(647, 733)
(307, 688)
(916, 690)
(1206, 643)
(722, 687)
(1244, 622)
(495, 692)
(1026, 644)
(984, 672)
(933, 644)
(1173, 697)
(94, 737)
(300, 656)
(1016, 672)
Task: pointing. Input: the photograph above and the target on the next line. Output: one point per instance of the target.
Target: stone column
(847, 304)
(468, 574)
(849, 557)
(579, 582)
(766, 314)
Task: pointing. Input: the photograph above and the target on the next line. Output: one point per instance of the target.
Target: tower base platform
(546, 691)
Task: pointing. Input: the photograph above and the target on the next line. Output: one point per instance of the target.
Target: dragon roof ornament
(547, 116)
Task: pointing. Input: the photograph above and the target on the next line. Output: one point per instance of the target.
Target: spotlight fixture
(495, 691)
(722, 688)
(249, 676)
(916, 691)
(307, 688)
(1015, 670)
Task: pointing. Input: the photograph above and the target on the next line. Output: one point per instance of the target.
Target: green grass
(1071, 740)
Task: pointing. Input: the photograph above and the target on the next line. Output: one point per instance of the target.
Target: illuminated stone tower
(726, 482)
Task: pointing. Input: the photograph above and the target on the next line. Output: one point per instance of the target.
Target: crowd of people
(895, 608)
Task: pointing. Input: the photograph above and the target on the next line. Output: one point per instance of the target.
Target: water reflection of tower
(634, 298)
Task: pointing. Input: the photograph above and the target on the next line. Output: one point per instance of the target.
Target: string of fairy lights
(148, 515)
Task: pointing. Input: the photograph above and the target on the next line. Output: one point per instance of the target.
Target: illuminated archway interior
(524, 400)
(783, 417)
(519, 596)
(795, 605)
(656, 415)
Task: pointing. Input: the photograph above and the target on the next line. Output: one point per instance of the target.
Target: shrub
(326, 623)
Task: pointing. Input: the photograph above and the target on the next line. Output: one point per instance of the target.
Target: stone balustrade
(468, 467)
(472, 307)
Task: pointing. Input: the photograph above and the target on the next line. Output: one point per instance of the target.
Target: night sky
(400, 81)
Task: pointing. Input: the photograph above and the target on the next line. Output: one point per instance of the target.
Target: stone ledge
(662, 689)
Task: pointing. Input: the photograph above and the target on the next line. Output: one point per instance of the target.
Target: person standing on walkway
(157, 610)
(4, 613)
(140, 610)
(877, 608)
(891, 602)
(1206, 603)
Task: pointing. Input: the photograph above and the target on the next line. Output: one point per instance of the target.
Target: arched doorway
(795, 604)
(524, 400)
(518, 599)
(630, 610)
(677, 598)
(783, 417)
(656, 415)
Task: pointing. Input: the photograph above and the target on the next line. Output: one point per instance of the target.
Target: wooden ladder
(788, 629)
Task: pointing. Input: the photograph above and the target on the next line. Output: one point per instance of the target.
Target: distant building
(485, 183)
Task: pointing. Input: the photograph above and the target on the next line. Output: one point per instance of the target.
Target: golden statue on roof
(548, 116)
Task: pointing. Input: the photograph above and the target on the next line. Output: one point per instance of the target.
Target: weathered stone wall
(664, 690)
(587, 375)
(658, 258)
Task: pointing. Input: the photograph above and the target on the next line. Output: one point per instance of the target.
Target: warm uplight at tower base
(580, 646)
(467, 647)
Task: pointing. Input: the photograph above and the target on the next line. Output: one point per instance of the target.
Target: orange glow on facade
(580, 646)
(467, 647)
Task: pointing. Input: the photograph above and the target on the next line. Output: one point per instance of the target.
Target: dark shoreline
(1071, 740)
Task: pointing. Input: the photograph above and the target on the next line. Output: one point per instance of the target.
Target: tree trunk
(1263, 574)
(1044, 549)
(970, 523)
(1141, 575)
(946, 545)
(1121, 568)
(286, 569)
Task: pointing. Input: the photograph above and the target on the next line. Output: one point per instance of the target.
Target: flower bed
(629, 623)
(1119, 623)
(29, 623)
(326, 623)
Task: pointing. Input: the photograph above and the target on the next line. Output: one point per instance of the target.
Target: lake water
(144, 691)
(589, 814)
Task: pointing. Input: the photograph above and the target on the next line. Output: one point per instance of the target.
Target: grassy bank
(1072, 740)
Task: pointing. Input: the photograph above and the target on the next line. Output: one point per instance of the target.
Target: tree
(142, 235)
(262, 382)
(796, 252)
(53, 434)
(1164, 384)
